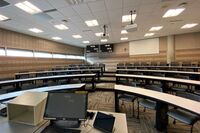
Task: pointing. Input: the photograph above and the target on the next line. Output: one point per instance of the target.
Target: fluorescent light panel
(104, 40)
(149, 34)
(61, 27)
(28, 7)
(36, 30)
(157, 28)
(124, 32)
(2, 17)
(124, 38)
(56, 38)
(99, 34)
(187, 26)
(76, 36)
(127, 18)
(86, 41)
(173, 12)
(92, 23)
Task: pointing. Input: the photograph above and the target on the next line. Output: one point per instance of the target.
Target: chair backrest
(188, 95)
(158, 74)
(154, 88)
(133, 84)
(182, 77)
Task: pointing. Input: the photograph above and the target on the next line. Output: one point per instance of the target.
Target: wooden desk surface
(184, 81)
(46, 77)
(41, 89)
(120, 125)
(184, 103)
(189, 67)
(159, 71)
(57, 71)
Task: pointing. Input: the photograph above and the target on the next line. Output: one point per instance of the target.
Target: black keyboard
(53, 129)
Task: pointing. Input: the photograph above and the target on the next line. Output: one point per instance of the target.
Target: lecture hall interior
(99, 66)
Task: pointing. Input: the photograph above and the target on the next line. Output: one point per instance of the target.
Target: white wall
(148, 46)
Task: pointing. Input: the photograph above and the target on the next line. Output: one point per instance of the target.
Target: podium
(27, 108)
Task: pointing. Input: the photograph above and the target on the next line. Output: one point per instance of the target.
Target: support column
(170, 49)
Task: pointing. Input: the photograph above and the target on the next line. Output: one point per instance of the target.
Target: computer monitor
(66, 106)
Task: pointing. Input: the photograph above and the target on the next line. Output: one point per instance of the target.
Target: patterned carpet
(104, 101)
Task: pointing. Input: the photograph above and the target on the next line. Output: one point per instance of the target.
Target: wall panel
(11, 65)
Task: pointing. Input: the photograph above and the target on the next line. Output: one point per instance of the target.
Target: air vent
(43, 16)
(77, 2)
(3, 3)
(7, 20)
(167, 0)
(175, 21)
(87, 30)
(51, 10)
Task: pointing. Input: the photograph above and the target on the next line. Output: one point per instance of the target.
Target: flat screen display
(92, 49)
(66, 106)
(107, 48)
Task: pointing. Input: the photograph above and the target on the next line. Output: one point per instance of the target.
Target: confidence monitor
(66, 106)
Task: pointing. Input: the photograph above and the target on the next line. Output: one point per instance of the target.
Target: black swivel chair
(147, 103)
(128, 98)
(179, 87)
(182, 115)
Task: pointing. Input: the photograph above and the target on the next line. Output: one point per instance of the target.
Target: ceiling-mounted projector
(133, 26)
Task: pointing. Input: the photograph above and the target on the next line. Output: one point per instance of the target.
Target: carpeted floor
(104, 101)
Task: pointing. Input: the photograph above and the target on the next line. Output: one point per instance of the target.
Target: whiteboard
(148, 46)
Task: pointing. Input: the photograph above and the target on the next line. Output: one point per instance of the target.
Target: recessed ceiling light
(187, 26)
(76, 36)
(124, 38)
(124, 32)
(35, 30)
(92, 23)
(56, 38)
(173, 12)
(104, 40)
(157, 28)
(99, 34)
(61, 27)
(127, 18)
(149, 34)
(28, 7)
(2, 17)
(86, 41)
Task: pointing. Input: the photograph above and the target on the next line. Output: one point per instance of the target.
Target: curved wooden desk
(18, 81)
(163, 80)
(168, 73)
(163, 100)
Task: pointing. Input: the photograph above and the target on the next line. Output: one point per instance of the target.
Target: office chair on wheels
(147, 103)
(182, 115)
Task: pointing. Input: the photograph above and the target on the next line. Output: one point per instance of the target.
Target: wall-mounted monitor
(92, 49)
(106, 48)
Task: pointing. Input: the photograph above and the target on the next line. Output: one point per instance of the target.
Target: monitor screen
(108, 48)
(66, 106)
(92, 49)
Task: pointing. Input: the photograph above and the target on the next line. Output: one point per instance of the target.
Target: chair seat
(147, 103)
(178, 89)
(183, 116)
(123, 82)
(197, 92)
(126, 97)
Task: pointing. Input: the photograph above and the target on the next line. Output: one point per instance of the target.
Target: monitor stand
(65, 124)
